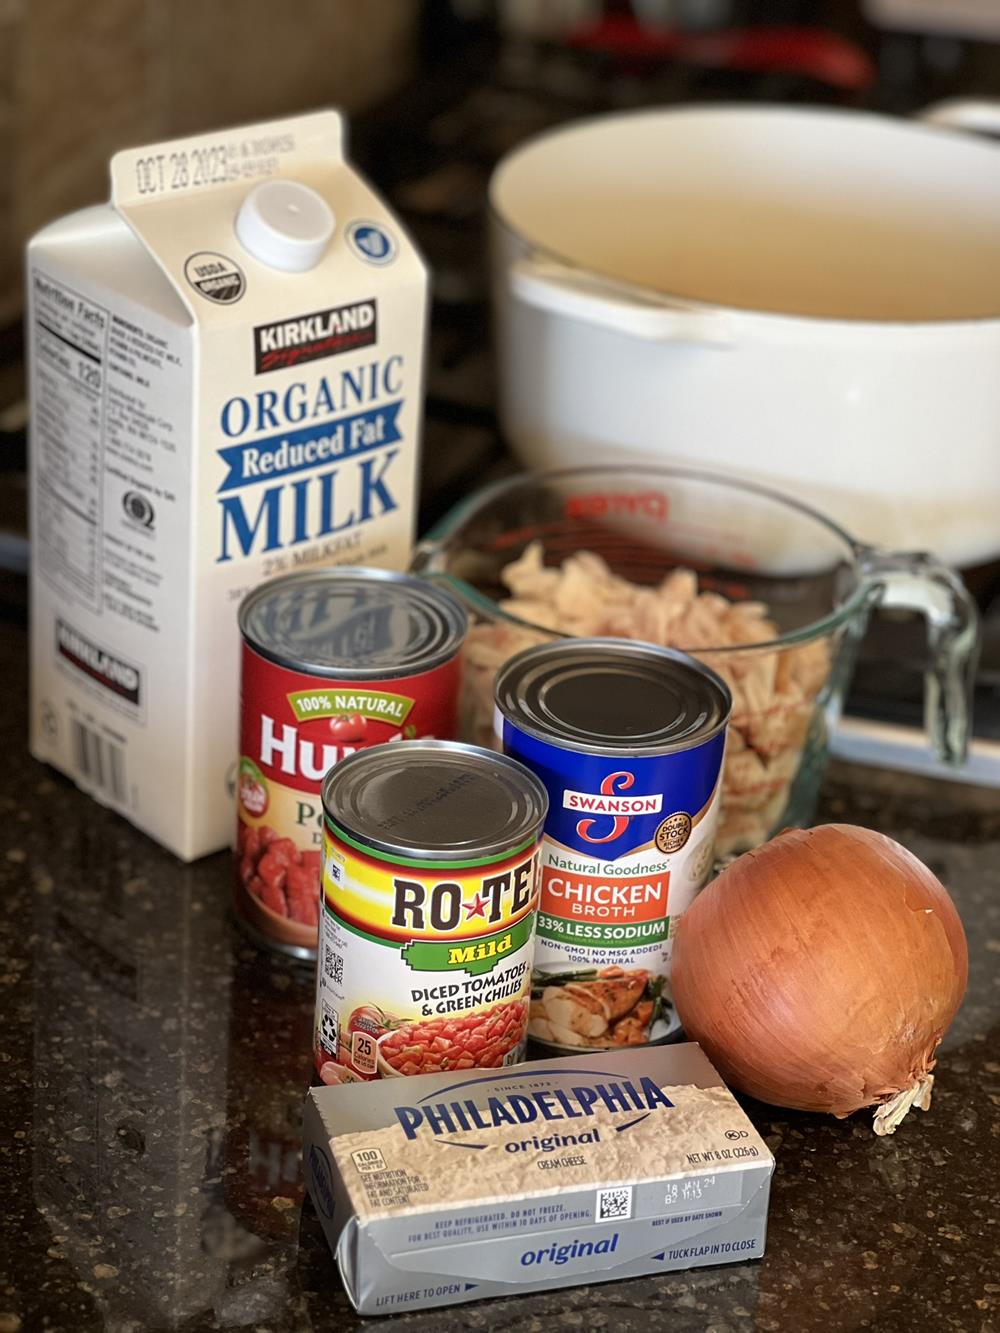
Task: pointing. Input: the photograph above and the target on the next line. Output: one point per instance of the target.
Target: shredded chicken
(774, 691)
(607, 1011)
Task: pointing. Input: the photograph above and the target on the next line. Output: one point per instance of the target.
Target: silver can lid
(435, 801)
(612, 696)
(353, 624)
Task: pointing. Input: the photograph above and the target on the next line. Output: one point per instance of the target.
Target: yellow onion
(821, 971)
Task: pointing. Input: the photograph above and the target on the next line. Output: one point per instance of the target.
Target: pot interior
(829, 214)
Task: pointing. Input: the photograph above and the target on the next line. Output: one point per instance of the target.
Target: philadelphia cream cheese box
(451, 1187)
(226, 384)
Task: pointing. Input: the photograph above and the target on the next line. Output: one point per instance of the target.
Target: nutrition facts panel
(70, 344)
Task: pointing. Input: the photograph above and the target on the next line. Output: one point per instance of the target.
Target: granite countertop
(154, 1065)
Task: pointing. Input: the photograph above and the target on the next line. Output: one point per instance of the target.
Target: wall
(80, 79)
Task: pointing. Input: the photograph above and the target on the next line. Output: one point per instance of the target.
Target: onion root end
(891, 1113)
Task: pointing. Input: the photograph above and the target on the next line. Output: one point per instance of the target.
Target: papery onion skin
(821, 970)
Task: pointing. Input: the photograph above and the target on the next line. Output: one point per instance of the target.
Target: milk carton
(226, 375)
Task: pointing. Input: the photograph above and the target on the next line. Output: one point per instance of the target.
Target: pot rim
(724, 110)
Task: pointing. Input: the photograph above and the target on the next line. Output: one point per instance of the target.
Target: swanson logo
(612, 808)
(290, 342)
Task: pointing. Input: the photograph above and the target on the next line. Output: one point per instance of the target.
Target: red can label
(294, 728)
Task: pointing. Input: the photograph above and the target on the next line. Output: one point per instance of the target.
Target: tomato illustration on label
(367, 1018)
(349, 728)
(252, 790)
(483, 1040)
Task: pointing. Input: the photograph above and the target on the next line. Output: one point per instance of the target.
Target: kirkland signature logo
(290, 342)
(113, 673)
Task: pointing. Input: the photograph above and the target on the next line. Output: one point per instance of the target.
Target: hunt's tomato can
(334, 661)
(628, 741)
(430, 885)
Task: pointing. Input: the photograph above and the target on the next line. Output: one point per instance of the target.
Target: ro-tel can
(334, 660)
(430, 885)
(628, 739)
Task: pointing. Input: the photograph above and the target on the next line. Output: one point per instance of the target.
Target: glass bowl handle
(917, 581)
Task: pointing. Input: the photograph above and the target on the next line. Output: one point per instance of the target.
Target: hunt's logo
(284, 751)
(613, 810)
(116, 675)
(290, 342)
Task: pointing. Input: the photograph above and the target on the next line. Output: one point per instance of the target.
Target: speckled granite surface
(153, 1066)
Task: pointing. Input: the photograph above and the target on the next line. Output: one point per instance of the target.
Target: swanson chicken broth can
(628, 741)
(334, 661)
(430, 887)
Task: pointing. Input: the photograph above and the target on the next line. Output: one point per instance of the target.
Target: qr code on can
(614, 1205)
(333, 966)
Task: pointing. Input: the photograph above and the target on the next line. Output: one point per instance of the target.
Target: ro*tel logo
(610, 805)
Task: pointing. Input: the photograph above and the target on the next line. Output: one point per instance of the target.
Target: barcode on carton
(99, 762)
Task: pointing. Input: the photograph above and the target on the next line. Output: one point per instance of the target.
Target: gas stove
(431, 152)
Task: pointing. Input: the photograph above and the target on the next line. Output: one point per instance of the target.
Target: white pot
(807, 298)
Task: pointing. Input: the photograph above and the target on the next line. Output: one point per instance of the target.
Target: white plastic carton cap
(285, 225)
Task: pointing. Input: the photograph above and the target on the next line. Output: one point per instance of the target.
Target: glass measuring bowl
(747, 544)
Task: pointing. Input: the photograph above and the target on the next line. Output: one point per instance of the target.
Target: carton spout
(285, 225)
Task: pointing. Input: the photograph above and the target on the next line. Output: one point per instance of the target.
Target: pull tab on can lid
(285, 225)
